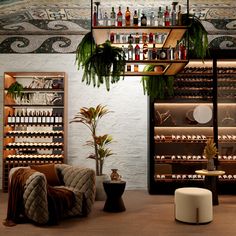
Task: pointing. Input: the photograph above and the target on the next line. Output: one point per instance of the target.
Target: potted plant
(90, 117)
(15, 89)
(102, 63)
(210, 152)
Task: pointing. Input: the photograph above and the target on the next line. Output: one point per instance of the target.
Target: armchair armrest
(81, 179)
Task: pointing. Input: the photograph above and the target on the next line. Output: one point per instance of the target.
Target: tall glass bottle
(95, 16)
(145, 51)
(137, 52)
(130, 52)
(113, 17)
(160, 17)
(179, 16)
(143, 20)
(127, 17)
(105, 19)
(173, 14)
(167, 17)
(135, 18)
(152, 19)
(119, 17)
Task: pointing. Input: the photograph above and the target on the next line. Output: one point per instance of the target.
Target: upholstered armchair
(79, 180)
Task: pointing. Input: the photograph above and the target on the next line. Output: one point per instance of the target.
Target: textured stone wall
(127, 124)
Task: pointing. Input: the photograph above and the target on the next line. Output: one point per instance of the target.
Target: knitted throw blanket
(59, 199)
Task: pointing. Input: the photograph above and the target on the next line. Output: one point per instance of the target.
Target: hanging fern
(157, 86)
(105, 64)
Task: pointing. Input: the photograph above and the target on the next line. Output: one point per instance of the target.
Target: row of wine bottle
(35, 117)
(41, 156)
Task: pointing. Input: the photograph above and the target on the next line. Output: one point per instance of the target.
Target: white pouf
(193, 205)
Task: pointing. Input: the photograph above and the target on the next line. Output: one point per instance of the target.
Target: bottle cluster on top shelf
(161, 16)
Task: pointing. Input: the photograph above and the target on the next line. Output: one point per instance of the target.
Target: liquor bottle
(105, 19)
(60, 118)
(152, 19)
(137, 52)
(167, 17)
(162, 54)
(113, 17)
(17, 118)
(95, 16)
(136, 68)
(154, 52)
(145, 51)
(173, 14)
(127, 17)
(177, 51)
(128, 67)
(56, 118)
(143, 20)
(170, 53)
(130, 52)
(179, 16)
(137, 38)
(119, 17)
(160, 17)
(135, 18)
(13, 118)
(150, 37)
(144, 37)
(130, 39)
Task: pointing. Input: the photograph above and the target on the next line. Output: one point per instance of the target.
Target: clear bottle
(119, 17)
(135, 18)
(130, 52)
(160, 17)
(167, 17)
(152, 19)
(127, 17)
(173, 14)
(113, 17)
(105, 19)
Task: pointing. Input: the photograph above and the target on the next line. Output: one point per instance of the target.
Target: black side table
(114, 191)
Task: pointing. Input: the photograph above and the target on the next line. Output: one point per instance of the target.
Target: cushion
(49, 171)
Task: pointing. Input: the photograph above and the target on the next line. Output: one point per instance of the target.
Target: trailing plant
(157, 86)
(85, 49)
(197, 34)
(90, 117)
(106, 64)
(15, 90)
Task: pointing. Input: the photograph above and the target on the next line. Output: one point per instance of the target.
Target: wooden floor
(145, 215)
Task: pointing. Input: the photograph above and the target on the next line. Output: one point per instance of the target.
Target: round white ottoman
(193, 205)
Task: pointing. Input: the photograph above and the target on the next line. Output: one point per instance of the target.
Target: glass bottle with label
(152, 19)
(145, 51)
(130, 39)
(105, 19)
(154, 52)
(137, 38)
(143, 20)
(150, 37)
(173, 14)
(130, 52)
(119, 17)
(113, 17)
(179, 16)
(95, 16)
(135, 18)
(167, 17)
(127, 17)
(160, 17)
(137, 52)
(9, 118)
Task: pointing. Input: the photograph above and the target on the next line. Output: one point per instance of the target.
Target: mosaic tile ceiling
(57, 26)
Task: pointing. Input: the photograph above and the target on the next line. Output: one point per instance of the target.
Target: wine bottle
(22, 117)
(13, 118)
(43, 117)
(26, 117)
(113, 17)
(127, 17)
(30, 117)
(35, 119)
(52, 118)
(56, 119)
(119, 17)
(39, 120)
(135, 18)
(60, 118)
(179, 16)
(17, 118)
(48, 120)
(167, 17)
